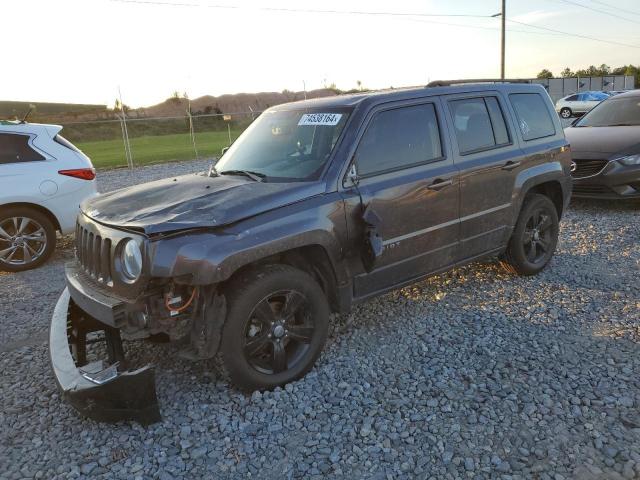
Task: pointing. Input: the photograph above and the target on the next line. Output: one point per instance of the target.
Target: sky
(83, 51)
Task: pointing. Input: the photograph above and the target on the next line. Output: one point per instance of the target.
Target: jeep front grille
(94, 254)
(587, 168)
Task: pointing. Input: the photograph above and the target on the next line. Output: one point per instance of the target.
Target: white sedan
(579, 103)
(43, 179)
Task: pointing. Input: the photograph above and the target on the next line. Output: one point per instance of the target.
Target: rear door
(408, 178)
(489, 160)
(572, 102)
(584, 103)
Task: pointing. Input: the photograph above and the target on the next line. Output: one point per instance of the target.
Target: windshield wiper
(255, 176)
(623, 125)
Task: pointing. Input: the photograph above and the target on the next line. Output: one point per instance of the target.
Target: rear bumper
(614, 182)
(102, 394)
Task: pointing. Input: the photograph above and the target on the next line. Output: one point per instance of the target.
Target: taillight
(81, 173)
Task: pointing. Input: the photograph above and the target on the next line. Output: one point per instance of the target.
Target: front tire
(27, 239)
(276, 326)
(535, 236)
(566, 112)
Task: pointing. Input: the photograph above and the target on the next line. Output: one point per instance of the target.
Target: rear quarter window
(534, 119)
(15, 148)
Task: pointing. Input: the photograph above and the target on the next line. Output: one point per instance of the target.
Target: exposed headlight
(131, 258)
(630, 160)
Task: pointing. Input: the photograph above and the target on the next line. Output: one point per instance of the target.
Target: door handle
(439, 184)
(510, 165)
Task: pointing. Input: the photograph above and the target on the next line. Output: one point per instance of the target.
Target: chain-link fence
(138, 141)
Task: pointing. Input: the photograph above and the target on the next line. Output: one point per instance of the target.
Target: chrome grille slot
(89, 251)
(94, 254)
(97, 261)
(587, 168)
(105, 259)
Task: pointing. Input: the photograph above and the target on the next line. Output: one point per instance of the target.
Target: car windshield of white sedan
(290, 145)
(613, 112)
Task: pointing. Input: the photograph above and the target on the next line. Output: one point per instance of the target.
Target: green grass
(156, 149)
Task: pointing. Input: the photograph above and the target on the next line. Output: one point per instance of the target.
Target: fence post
(227, 118)
(191, 130)
(125, 141)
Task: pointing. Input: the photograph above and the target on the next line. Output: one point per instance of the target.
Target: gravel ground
(475, 373)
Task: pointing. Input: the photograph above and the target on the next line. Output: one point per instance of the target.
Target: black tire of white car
(535, 236)
(276, 326)
(27, 238)
(566, 112)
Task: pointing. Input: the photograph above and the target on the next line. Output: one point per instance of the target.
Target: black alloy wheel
(535, 235)
(276, 325)
(278, 332)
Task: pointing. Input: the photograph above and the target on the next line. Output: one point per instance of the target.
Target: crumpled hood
(194, 201)
(606, 140)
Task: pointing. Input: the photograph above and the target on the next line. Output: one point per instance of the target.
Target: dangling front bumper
(104, 394)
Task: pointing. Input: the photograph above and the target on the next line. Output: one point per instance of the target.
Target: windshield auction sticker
(320, 119)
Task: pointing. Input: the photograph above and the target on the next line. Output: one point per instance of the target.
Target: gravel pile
(475, 373)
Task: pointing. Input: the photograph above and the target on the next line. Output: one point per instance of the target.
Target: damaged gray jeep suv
(319, 205)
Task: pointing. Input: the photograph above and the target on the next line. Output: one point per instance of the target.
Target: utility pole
(504, 20)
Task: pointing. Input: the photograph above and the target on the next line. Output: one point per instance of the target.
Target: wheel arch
(34, 206)
(312, 259)
(553, 190)
(550, 179)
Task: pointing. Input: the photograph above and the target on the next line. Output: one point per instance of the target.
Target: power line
(479, 27)
(617, 8)
(407, 15)
(297, 10)
(577, 35)
(571, 2)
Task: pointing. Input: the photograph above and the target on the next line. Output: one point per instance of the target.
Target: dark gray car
(319, 205)
(606, 149)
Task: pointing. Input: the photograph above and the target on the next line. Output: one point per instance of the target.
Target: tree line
(593, 71)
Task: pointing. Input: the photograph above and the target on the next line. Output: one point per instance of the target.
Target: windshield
(291, 145)
(615, 111)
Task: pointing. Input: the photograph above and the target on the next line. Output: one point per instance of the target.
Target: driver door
(407, 177)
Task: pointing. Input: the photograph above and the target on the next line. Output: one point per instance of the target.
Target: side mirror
(224, 150)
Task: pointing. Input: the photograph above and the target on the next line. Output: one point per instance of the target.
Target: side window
(398, 138)
(479, 124)
(14, 148)
(533, 116)
(597, 96)
(572, 98)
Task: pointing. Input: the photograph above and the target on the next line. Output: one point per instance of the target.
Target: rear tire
(535, 236)
(276, 327)
(27, 238)
(566, 112)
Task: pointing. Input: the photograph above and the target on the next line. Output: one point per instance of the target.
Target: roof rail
(447, 83)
